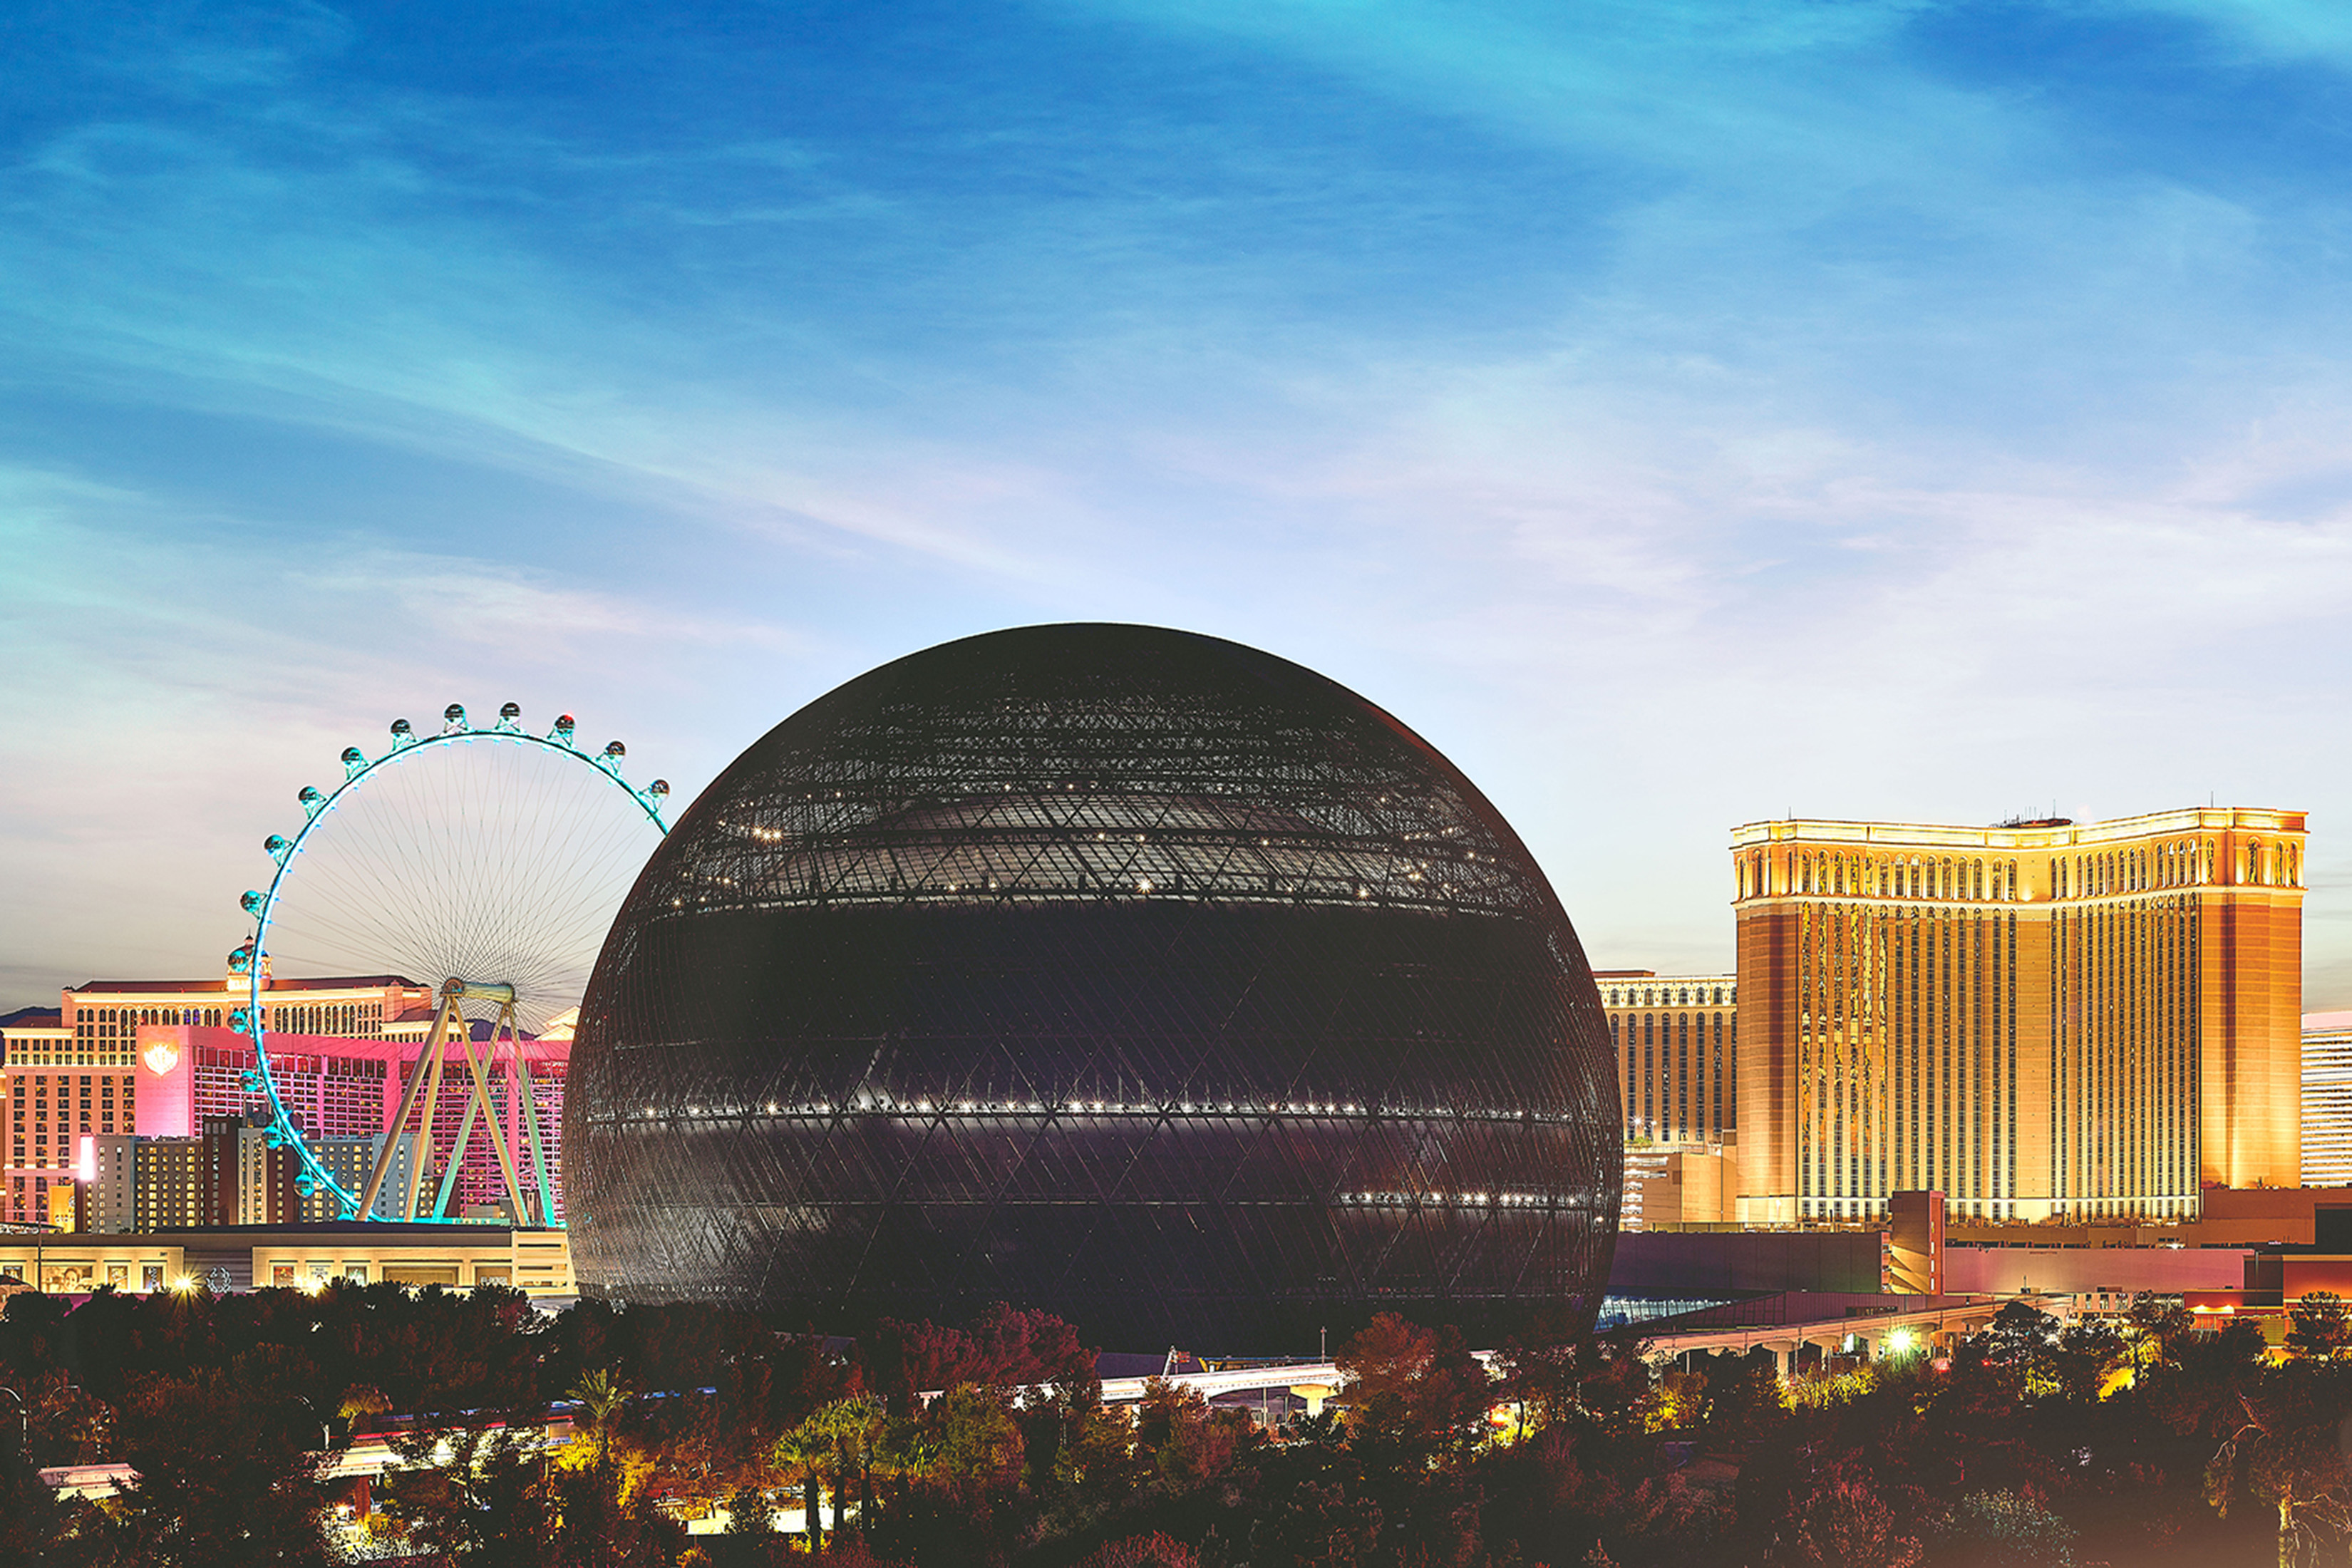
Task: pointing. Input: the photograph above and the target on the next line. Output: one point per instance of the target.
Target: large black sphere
(1139, 977)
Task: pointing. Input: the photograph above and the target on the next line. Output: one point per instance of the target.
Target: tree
(749, 1512)
(807, 1452)
(2156, 1327)
(225, 1476)
(2019, 1335)
(1743, 1397)
(855, 1425)
(2286, 1453)
(601, 1397)
(979, 1448)
(1541, 1369)
(2009, 1530)
(2318, 1326)
(600, 1527)
(1002, 1349)
(469, 1494)
(1841, 1521)
(1415, 1390)
(1379, 1364)
(2200, 1389)
(2076, 1365)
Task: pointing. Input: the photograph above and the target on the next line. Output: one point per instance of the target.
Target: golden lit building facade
(2042, 1020)
(1676, 1037)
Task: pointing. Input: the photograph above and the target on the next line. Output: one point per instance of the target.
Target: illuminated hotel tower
(2042, 1019)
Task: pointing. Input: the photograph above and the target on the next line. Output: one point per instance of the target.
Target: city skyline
(1681, 418)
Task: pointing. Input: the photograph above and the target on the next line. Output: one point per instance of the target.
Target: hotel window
(1649, 1070)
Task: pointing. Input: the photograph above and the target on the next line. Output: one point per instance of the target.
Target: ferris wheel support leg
(530, 1129)
(428, 1068)
(481, 1100)
(509, 1126)
(433, 1043)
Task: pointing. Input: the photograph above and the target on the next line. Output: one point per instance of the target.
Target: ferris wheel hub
(478, 990)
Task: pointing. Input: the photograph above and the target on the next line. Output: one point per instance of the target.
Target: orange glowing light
(162, 1057)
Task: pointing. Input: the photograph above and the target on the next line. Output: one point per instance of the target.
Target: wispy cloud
(1680, 412)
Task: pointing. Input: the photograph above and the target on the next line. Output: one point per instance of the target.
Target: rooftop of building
(358, 1232)
(191, 988)
(33, 1018)
(1662, 974)
(2039, 834)
(2313, 1022)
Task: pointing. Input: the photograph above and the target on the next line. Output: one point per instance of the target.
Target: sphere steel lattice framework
(482, 862)
(1133, 975)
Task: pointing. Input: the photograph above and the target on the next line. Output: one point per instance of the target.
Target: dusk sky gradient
(1680, 413)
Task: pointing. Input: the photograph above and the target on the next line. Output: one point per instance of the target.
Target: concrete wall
(1688, 1264)
(2074, 1270)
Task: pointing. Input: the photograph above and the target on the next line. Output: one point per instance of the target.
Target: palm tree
(602, 1396)
(903, 1451)
(807, 1448)
(854, 1424)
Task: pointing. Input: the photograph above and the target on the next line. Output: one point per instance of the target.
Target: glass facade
(1136, 975)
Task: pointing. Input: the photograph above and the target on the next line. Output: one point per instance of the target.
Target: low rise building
(301, 1256)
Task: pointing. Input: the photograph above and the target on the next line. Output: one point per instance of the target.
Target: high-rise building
(168, 1180)
(247, 1179)
(1677, 1039)
(2327, 1100)
(109, 1204)
(2042, 1019)
(349, 1159)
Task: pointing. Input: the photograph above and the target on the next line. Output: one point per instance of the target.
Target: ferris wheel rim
(285, 852)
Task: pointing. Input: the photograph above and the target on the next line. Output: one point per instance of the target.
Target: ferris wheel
(485, 863)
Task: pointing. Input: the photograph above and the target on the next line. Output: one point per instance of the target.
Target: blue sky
(1681, 413)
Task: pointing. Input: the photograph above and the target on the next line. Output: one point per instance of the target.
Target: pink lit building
(154, 1058)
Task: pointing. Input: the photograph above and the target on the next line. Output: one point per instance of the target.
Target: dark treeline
(2149, 1443)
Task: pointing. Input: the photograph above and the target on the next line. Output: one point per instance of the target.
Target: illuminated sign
(162, 1057)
